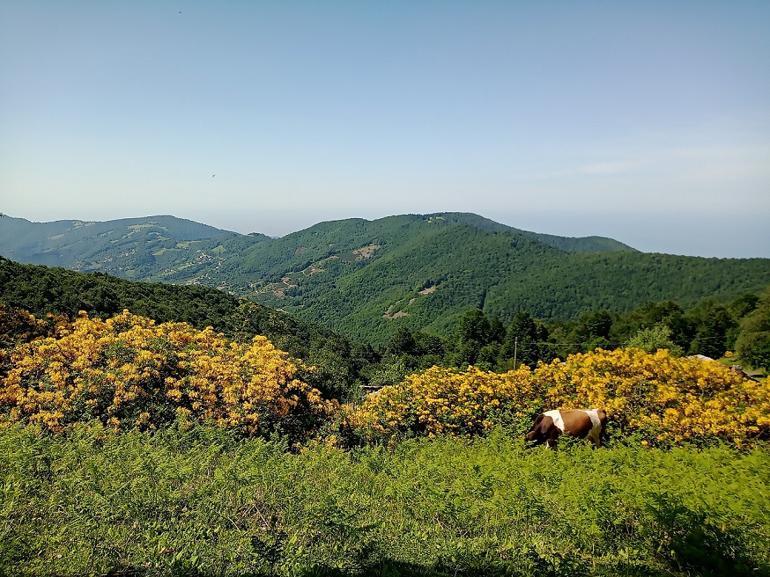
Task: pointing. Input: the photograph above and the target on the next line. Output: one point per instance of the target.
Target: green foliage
(655, 338)
(524, 342)
(201, 502)
(464, 265)
(390, 371)
(753, 343)
(402, 343)
(340, 365)
(743, 305)
(707, 328)
(477, 339)
(666, 313)
(593, 329)
(714, 327)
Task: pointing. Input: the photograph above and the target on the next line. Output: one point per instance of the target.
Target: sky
(645, 121)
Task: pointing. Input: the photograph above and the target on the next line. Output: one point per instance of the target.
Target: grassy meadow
(203, 502)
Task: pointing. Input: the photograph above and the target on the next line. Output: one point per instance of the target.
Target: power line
(608, 343)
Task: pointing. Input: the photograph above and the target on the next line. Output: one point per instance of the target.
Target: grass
(201, 502)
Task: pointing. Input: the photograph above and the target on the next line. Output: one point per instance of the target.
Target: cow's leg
(551, 444)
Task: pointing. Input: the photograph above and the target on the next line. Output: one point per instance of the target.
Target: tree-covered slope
(41, 289)
(138, 248)
(364, 240)
(621, 281)
(367, 279)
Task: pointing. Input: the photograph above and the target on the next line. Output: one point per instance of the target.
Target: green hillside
(135, 248)
(40, 290)
(367, 279)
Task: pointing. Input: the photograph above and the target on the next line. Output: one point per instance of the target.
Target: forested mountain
(134, 248)
(368, 279)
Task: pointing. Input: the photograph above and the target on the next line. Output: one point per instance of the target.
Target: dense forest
(708, 328)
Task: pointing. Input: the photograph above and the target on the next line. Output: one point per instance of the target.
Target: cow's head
(540, 431)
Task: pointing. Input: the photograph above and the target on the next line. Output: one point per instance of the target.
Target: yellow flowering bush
(662, 397)
(442, 400)
(129, 371)
(659, 397)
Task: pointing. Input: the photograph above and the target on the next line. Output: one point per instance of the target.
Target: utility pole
(515, 351)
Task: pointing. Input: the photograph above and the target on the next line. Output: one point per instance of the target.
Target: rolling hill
(133, 248)
(41, 289)
(368, 278)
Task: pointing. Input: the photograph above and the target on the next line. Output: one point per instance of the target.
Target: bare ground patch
(313, 269)
(395, 315)
(366, 252)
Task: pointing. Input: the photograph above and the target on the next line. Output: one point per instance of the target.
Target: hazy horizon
(644, 122)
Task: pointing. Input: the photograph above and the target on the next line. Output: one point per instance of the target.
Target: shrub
(654, 338)
(657, 397)
(443, 400)
(661, 397)
(129, 371)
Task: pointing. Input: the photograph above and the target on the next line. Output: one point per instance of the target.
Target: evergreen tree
(474, 331)
(713, 327)
(593, 330)
(522, 342)
(402, 342)
(753, 343)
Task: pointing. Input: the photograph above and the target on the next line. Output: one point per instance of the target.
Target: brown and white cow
(581, 423)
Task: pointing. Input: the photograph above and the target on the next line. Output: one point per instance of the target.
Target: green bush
(655, 338)
(201, 502)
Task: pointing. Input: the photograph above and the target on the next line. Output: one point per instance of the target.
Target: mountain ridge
(612, 244)
(368, 278)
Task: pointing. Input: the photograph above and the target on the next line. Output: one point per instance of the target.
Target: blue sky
(645, 121)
